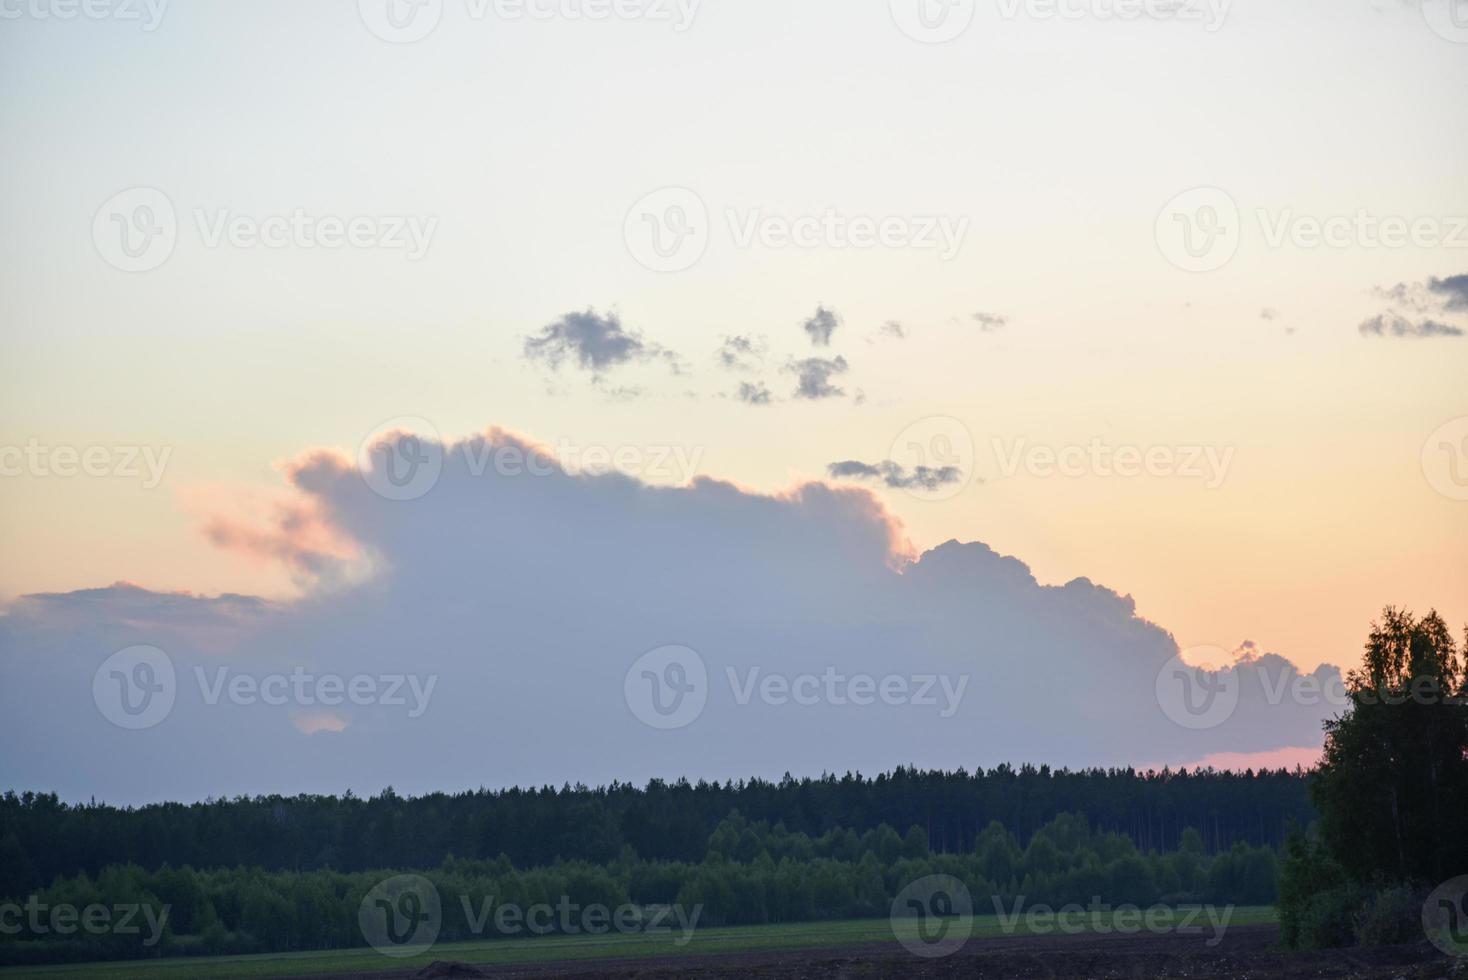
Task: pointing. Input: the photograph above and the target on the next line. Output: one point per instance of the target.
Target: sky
(1173, 304)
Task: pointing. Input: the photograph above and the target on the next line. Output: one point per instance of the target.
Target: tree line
(751, 872)
(42, 837)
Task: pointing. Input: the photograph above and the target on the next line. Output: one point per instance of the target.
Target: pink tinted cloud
(273, 525)
(314, 723)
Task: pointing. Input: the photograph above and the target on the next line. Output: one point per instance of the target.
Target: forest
(750, 872)
(42, 837)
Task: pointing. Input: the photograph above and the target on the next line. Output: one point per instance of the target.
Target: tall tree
(1392, 791)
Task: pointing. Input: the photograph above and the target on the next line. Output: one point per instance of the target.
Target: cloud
(1411, 296)
(821, 326)
(288, 529)
(529, 594)
(1395, 325)
(815, 375)
(896, 476)
(592, 342)
(893, 329)
(742, 353)
(1269, 313)
(315, 722)
(1453, 288)
(147, 609)
(626, 393)
(989, 322)
(1416, 309)
(753, 394)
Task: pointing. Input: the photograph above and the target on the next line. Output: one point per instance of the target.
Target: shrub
(1329, 919)
(1390, 917)
(1306, 875)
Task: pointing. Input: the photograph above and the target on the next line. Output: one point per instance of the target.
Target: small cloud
(753, 394)
(1432, 295)
(895, 475)
(894, 330)
(1412, 296)
(1396, 325)
(626, 393)
(989, 322)
(855, 469)
(593, 342)
(1414, 307)
(1269, 313)
(313, 723)
(821, 326)
(1454, 289)
(815, 375)
(742, 353)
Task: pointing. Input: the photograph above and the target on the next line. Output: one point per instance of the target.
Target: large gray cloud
(528, 597)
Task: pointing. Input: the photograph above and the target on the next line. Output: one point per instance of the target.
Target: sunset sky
(1324, 380)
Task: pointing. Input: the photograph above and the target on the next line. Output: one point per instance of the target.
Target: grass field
(736, 939)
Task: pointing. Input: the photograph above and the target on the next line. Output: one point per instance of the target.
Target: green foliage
(1390, 917)
(1328, 918)
(41, 837)
(752, 873)
(1306, 872)
(1392, 791)
(1247, 874)
(1393, 787)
